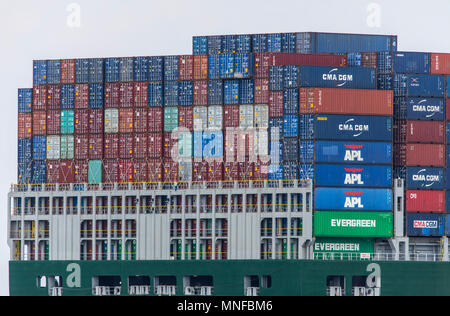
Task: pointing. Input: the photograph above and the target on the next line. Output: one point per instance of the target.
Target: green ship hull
(287, 277)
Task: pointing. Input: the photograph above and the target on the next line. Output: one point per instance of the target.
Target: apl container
(353, 199)
(419, 225)
(422, 178)
(353, 224)
(337, 77)
(425, 201)
(346, 127)
(431, 109)
(353, 176)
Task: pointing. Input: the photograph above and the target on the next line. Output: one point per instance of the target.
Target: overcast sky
(46, 29)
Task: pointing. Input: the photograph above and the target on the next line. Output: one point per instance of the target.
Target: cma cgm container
(423, 178)
(419, 132)
(353, 224)
(425, 225)
(338, 77)
(342, 101)
(346, 152)
(425, 201)
(341, 199)
(353, 176)
(346, 127)
(432, 155)
(430, 109)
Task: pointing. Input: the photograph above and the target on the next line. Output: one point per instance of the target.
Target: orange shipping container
(346, 101)
(25, 125)
(440, 64)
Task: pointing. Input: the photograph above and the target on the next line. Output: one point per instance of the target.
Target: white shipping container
(261, 116)
(215, 118)
(246, 116)
(261, 142)
(184, 144)
(200, 118)
(53, 147)
(111, 121)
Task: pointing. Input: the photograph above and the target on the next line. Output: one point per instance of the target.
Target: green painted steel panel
(170, 118)
(95, 171)
(353, 224)
(185, 144)
(345, 248)
(67, 122)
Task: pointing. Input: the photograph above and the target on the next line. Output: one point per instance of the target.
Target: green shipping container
(170, 118)
(95, 171)
(67, 147)
(353, 224)
(343, 248)
(185, 145)
(67, 122)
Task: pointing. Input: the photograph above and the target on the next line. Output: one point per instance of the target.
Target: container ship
(260, 165)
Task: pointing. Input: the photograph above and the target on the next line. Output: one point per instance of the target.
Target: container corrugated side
(425, 201)
(337, 77)
(353, 199)
(418, 225)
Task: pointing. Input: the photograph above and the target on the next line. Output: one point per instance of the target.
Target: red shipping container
(126, 95)
(231, 141)
(96, 121)
(140, 120)
(170, 171)
(261, 91)
(112, 95)
(246, 170)
(419, 132)
(346, 101)
(39, 97)
(201, 92)
(261, 67)
(126, 117)
(215, 171)
(440, 64)
(140, 145)
(155, 145)
(53, 96)
(155, 170)
(419, 155)
(81, 146)
(81, 171)
(276, 104)
(25, 125)
(39, 123)
(425, 201)
(230, 171)
(81, 123)
(369, 60)
(66, 171)
(81, 96)
(126, 146)
(95, 146)
(200, 67)
(155, 119)
(199, 171)
(185, 67)
(111, 150)
(67, 70)
(447, 106)
(141, 94)
(186, 118)
(111, 170)
(261, 170)
(283, 59)
(140, 167)
(52, 171)
(170, 145)
(53, 122)
(230, 116)
(126, 170)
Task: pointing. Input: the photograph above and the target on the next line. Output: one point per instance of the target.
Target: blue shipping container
(39, 72)
(25, 100)
(346, 43)
(288, 42)
(208, 144)
(306, 172)
(228, 44)
(215, 92)
(447, 202)
(448, 86)
(290, 126)
(96, 70)
(276, 125)
(226, 66)
(338, 77)
(214, 67)
(385, 62)
(276, 152)
(274, 43)
(275, 172)
(290, 170)
(290, 101)
(412, 62)
(39, 147)
(243, 44)
(351, 152)
(447, 132)
(24, 150)
(447, 150)
(126, 67)
(53, 72)
(155, 94)
(259, 43)
(290, 148)
(82, 70)
(200, 45)
(276, 78)
(24, 172)
(353, 176)
(246, 91)
(425, 224)
(185, 93)
(39, 172)
(155, 68)
(170, 68)
(430, 109)
(112, 70)
(96, 95)
(413, 85)
(346, 127)
(243, 65)
(171, 93)
(67, 96)
(140, 68)
(425, 178)
(291, 78)
(214, 45)
(231, 92)
(353, 199)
